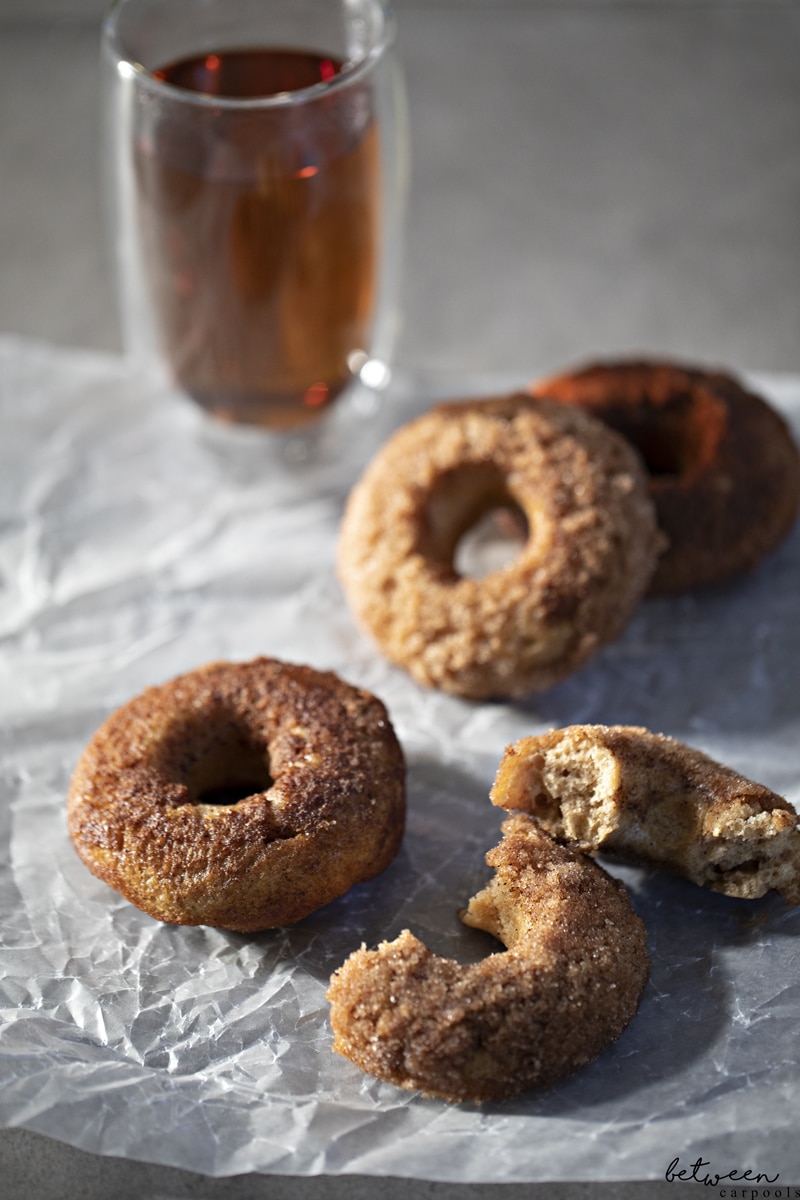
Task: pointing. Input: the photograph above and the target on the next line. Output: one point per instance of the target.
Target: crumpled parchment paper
(136, 542)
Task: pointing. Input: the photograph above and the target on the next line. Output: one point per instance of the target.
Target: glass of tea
(256, 156)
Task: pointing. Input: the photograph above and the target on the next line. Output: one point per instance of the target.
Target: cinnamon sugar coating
(565, 987)
(317, 763)
(648, 798)
(591, 544)
(724, 468)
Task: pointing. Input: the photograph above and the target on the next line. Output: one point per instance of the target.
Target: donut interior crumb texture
(723, 466)
(647, 798)
(243, 796)
(566, 986)
(591, 546)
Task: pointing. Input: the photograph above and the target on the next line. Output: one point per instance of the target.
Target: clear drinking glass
(256, 158)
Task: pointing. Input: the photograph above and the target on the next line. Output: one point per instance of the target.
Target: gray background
(587, 178)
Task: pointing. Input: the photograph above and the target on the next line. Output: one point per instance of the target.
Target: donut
(648, 798)
(240, 795)
(723, 467)
(591, 545)
(566, 986)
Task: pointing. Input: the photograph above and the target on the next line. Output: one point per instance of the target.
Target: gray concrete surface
(35, 1168)
(587, 178)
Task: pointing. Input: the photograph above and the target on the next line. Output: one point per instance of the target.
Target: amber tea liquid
(259, 230)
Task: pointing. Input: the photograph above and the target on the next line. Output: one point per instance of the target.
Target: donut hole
(475, 945)
(677, 439)
(472, 524)
(228, 773)
(228, 794)
(493, 543)
(228, 778)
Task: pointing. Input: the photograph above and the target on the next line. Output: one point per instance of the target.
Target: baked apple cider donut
(724, 468)
(243, 796)
(565, 987)
(648, 798)
(590, 551)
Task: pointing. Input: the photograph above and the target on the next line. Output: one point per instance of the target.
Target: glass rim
(351, 72)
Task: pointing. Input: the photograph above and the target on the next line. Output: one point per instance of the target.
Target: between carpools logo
(739, 1183)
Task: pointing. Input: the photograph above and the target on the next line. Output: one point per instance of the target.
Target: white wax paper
(138, 541)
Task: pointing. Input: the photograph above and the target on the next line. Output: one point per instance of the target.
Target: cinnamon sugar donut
(724, 469)
(590, 551)
(566, 986)
(243, 796)
(649, 798)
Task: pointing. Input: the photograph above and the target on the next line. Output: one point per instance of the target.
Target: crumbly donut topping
(590, 550)
(723, 466)
(645, 797)
(565, 987)
(240, 795)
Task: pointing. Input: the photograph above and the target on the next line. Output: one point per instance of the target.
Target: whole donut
(318, 770)
(591, 544)
(638, 795)
(724, 469)
(566, 986)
